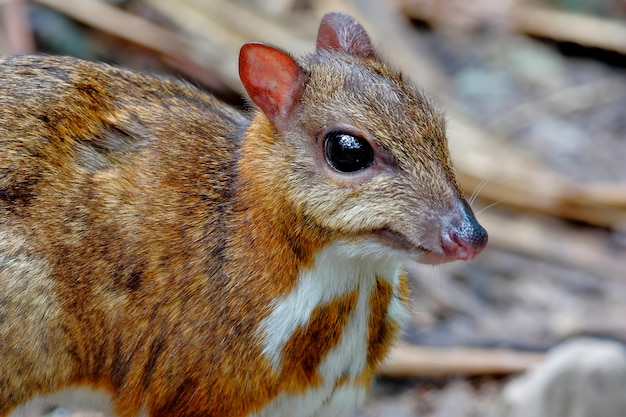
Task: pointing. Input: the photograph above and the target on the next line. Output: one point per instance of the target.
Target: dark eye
(347, 153)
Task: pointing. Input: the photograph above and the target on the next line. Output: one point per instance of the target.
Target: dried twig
(562, 26)
(411, 361)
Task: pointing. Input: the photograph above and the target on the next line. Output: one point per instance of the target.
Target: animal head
(363, 152)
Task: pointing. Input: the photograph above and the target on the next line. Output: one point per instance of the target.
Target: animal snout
(465, 238)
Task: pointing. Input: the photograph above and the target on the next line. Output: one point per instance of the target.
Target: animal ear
(272, 79)
(341, 32)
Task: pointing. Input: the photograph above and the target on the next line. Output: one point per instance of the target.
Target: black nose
(465, 240)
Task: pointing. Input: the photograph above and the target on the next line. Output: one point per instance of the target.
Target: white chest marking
(339, 269)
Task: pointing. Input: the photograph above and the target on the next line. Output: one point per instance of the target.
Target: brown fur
(146, 227)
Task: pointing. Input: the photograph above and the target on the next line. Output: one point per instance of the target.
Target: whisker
(479, 188)
(489, 206)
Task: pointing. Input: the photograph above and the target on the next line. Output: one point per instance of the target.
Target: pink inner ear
(272, 79)
(340, 32)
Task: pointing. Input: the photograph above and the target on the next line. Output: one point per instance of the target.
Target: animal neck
(264, 219)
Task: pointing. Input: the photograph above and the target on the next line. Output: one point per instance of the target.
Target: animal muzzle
(464, 238)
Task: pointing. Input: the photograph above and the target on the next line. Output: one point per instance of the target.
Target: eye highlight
(347, 153)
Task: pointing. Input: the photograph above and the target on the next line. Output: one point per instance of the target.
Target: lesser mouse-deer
(164, 254)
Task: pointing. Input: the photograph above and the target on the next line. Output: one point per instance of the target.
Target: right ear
(341, 32)
(272, 79)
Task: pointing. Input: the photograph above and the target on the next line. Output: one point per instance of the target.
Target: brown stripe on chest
(383, 330)
(309, 345)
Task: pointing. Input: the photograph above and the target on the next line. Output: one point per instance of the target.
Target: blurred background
(535, 95)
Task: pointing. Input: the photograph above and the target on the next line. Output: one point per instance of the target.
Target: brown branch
(585, 30)
(411, 361)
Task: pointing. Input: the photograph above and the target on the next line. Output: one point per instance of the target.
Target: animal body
(163, 254)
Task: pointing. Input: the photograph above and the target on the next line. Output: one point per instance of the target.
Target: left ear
(341, 32)
(272, 79)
